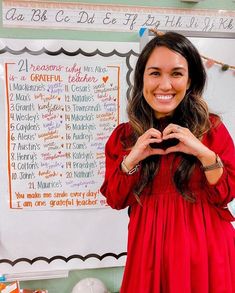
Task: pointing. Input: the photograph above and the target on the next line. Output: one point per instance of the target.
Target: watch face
(217, 164)
(218, 161)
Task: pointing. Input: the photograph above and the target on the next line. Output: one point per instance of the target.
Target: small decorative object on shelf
(90, 285)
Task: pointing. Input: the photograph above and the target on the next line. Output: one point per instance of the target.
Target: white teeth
(164, 97)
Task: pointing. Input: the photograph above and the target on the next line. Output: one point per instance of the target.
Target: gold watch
(218, 164)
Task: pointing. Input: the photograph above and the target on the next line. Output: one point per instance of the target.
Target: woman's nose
(165, 83)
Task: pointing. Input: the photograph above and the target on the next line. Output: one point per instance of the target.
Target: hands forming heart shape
(163, 140)
(165, 144)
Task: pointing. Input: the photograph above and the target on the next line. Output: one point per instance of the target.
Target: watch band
(218, 164)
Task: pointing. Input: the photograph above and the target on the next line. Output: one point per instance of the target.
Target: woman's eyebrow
(158, 68)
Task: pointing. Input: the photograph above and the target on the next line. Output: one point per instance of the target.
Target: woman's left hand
(188, 143)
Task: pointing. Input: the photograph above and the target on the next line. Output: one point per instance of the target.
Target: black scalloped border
(63, 258)
(127, 55)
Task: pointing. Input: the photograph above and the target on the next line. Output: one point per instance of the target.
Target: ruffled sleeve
(220, 194)
(118, 186)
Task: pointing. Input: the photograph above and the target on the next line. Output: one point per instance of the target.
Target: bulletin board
(66, 98)
(60, 102)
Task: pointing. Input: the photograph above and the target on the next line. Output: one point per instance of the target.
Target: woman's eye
(177, 73)
(155, 73)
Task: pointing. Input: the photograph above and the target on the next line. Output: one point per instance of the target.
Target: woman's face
(166, 80)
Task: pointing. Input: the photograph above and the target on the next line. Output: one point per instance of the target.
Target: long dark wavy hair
(192, 112)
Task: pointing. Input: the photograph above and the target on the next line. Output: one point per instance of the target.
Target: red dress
(175, 246)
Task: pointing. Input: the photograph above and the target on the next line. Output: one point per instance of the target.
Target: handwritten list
(60, 116)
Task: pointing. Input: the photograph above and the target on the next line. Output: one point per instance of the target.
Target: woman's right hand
(142, 148)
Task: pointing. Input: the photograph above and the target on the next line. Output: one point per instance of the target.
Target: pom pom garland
(209, 62)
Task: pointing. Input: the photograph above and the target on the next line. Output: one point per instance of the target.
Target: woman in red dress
(173, 165)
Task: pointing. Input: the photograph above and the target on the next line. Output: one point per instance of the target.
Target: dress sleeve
(220, 194)
(118, 186)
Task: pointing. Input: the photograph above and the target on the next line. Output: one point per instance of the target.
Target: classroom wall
(110, 276)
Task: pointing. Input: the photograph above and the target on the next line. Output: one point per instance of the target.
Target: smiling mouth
(164, 97)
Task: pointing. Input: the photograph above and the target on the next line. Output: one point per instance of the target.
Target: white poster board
(60, 101)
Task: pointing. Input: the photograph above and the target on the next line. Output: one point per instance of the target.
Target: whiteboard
(66, 239)
(220, 87)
